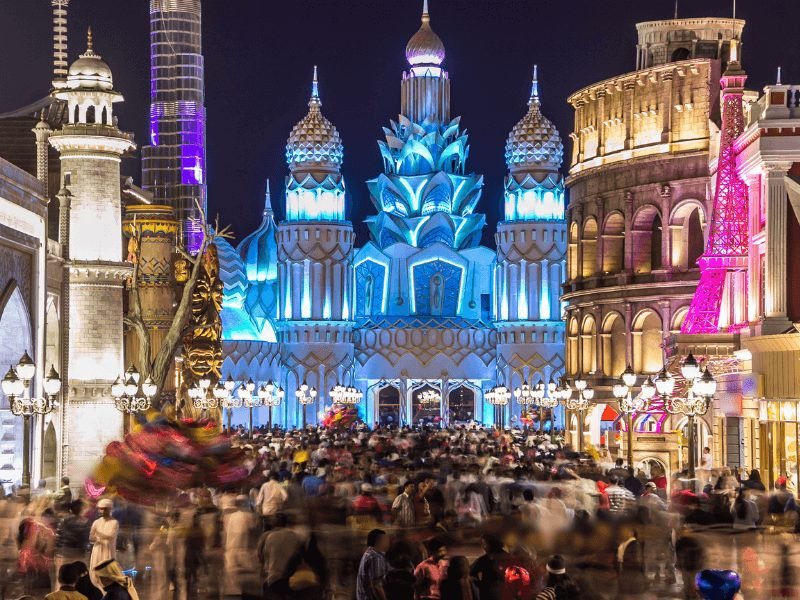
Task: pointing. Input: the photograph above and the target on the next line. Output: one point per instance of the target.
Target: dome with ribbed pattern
(314, 141)
(534, 143)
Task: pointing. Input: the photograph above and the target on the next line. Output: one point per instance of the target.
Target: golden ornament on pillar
(181, 267)
(203, 340)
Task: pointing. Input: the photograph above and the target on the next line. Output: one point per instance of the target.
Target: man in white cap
(103, 537)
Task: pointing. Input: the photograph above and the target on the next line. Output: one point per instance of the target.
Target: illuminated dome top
(259, 250)
(534, 143)
(90, 71)
(314, 139)
(425, 47)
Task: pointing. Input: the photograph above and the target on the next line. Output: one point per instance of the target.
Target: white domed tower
(315, 249)
(531, 249)
(91, 147)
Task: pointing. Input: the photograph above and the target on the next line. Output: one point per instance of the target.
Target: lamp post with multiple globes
(700, 390)
(228, 400)
(270, 395)
(579, 404)
(628, 405)
(16, 386)
(125, 390)
(524, 396)
(305, 395)
(348, 395)
(498, 397)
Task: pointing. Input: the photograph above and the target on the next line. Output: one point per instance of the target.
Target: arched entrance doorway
(702, 440)
(50, 456)
(389, 407)
(461, 404)
(423, 413)
(15, 333)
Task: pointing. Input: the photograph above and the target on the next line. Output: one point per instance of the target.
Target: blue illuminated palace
(421, 305)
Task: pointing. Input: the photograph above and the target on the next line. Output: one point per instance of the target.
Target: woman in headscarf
(103, 537)
(116, 585)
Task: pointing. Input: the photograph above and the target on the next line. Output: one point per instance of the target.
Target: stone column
(753, 181)
(601, 118)
(42, 132)
(628, 212)
(600, 211)
(774, 196)
(628, 97)
(667, 102)
(628, 337)
(666, 233)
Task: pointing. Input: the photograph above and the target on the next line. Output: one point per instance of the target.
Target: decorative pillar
(42, 132)
(666, 232)
(753, 182)
(774, 196)
(628, 226)
(667, 102)
(600, 209)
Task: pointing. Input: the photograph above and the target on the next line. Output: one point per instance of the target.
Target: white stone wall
(95, 215)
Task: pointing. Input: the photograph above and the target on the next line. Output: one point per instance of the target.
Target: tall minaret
(60, 55)
(174, 161)
(315, 249)
(91, 146)
(531, 246)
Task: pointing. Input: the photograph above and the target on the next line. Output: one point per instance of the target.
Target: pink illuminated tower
(724, 262)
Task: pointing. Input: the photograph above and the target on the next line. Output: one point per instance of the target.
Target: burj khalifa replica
(174, 161)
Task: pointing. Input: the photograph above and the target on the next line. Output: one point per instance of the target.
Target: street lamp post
(227, 399)
(125, 390)
(701, 387)
(16, 386)
(524, 397)
(305, 395)
(498, 397)
(629, 405)
(548, 400)
(579, 404)
(271, 396)
(250, 400)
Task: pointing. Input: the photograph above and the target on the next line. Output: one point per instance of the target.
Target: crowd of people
(465, 513)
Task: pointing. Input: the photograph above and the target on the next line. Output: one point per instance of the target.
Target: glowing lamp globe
(629, 377)
(149, 388)
(690, 369)
(52, 383)
(26, 369)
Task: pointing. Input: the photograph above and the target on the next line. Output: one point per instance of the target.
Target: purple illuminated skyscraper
(174, 161)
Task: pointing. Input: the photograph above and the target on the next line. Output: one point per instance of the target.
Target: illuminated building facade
(767, 160)
(174, 161)
(639, 186)
(418, 307)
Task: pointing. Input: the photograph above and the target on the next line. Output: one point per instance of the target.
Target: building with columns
(768, 161)
(421, 306)
(640, 202)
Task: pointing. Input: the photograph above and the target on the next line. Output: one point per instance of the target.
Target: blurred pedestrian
(373, 568)
(431, 571)
(67, 579)
(457, 584)
(103, 536)
(116, 585)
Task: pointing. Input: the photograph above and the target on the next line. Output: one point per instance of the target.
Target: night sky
(260, 53)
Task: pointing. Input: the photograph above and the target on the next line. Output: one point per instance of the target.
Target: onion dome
(259, 250)
(534, 143)
(314, 141)
(425, 47)
(90, 71)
